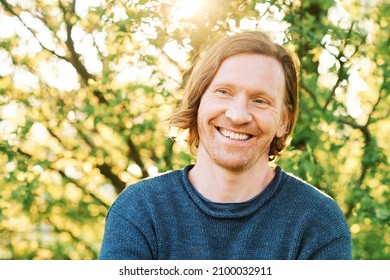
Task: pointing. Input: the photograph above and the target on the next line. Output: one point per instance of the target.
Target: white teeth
(235, 136)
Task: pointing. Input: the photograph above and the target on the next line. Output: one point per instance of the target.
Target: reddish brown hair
(202, 73)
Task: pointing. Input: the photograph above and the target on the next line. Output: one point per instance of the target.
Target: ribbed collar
(260, 200)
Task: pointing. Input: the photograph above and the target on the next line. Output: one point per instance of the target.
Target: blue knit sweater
(165, 218)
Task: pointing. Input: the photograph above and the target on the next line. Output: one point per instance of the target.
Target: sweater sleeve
(326, 235)
(130, 232)
(336, 249)
(124, 240)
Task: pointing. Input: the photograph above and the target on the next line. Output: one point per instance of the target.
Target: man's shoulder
(139, 197)
(302, 192)
(165, 184)
(161, 182)
(316, 208)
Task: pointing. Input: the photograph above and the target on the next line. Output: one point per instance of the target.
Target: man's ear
(284, 122)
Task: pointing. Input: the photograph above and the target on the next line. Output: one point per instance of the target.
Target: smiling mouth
(234, 135)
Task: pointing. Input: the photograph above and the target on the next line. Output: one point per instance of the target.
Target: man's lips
(234, 135)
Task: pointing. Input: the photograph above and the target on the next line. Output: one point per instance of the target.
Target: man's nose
(238, 111)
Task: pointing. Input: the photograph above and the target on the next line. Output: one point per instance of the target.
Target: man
(240, 108)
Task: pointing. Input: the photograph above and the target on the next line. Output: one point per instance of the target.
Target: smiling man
(240, 108)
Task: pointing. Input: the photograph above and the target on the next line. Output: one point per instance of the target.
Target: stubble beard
(233, 159)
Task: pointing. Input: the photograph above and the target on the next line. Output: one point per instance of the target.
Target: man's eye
(222, 91)
(260, 101)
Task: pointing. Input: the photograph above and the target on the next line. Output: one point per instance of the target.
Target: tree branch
(134, 154)
(309, 91)
(97, 199)
(69, 17)
(339, 58)
(339, 79)
(364, 167)
(168, 143)
(74, 237)
(74, 56)
(11, 11)
(66, 178)
(351, 124)
(374, 107)
(104, 168)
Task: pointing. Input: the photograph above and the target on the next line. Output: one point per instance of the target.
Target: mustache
(248, 128)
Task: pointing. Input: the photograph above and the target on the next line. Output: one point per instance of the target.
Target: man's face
(241, 112)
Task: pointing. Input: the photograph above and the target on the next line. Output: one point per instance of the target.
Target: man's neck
(222, 185)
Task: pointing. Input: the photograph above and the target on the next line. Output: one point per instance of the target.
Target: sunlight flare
(185, 9)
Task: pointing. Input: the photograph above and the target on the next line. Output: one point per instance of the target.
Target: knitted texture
(165, 218)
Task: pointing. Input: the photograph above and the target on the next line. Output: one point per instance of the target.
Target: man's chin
(238, 166)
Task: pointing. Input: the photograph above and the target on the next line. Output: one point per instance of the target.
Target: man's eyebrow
(252, 91)
(222, 84)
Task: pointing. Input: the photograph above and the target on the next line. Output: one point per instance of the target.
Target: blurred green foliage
(85, 91)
